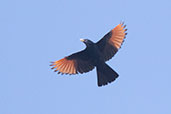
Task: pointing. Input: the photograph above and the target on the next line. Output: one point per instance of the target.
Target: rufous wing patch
(64, 66)
(118, 35)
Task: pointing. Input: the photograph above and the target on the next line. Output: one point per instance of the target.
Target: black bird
(94, 55)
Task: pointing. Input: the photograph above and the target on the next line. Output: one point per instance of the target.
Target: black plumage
(94, 55)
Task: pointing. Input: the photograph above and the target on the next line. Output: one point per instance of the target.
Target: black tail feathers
(105, 74)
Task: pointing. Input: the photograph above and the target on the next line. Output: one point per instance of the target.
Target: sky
(35, 32)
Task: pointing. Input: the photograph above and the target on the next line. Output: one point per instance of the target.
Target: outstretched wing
(76, 63)
(112, 41)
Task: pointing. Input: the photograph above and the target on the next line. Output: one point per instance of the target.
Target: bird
(93, 56)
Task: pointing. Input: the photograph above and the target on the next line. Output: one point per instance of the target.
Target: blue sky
(35, 32)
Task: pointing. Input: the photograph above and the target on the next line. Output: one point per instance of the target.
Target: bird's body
(94, 55)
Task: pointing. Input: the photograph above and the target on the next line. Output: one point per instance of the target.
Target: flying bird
(94, 55)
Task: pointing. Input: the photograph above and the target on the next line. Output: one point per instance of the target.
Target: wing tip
(122, 22)
(60, 67)
(120, 32)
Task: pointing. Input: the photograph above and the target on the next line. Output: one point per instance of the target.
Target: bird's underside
(94, 55)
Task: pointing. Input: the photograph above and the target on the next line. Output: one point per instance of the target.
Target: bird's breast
(95, 55)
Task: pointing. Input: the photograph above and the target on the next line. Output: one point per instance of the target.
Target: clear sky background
(35, 32)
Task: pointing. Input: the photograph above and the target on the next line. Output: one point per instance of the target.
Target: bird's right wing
(112, 41)
(76, 63)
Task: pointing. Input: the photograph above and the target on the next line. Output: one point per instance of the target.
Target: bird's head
(87, 42)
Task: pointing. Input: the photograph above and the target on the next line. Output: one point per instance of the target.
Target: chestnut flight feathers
(94, 55)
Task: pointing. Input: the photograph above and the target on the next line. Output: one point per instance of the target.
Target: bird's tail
(105, 74)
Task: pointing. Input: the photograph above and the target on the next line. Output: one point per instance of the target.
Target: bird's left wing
(112, 41)
(76, 63)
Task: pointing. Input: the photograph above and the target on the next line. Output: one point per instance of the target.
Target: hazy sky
(35, 32)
